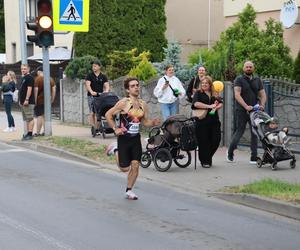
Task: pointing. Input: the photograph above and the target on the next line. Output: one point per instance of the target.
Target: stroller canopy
(104, 102)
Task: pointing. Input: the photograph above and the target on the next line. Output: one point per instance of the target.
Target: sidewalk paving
(199, 181)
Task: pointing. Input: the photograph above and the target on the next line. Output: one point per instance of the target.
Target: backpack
(188, 140)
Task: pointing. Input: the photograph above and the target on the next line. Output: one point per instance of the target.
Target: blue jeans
(168, 109)
(8, 100)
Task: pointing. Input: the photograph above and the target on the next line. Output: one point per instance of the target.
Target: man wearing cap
(95, 82)
(39, 109)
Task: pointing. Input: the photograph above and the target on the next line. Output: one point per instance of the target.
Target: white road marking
(13, 150)
(33, 232)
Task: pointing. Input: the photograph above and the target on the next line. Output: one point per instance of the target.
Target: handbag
(16, 96)
(199, 113)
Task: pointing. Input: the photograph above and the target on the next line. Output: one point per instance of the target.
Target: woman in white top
(168, 90)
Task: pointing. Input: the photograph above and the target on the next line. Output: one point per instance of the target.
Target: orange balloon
(218, 86)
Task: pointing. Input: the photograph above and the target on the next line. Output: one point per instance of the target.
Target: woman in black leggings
(208, 129)
(8, 88)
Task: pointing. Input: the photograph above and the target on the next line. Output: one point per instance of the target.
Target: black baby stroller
(102, 103)
(273, 152)
(173, 140)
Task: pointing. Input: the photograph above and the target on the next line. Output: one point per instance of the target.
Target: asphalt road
(49, 203)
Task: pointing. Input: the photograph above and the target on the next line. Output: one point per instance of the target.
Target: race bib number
(134, 128)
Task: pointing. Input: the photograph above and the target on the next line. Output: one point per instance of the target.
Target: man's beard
(248, 73)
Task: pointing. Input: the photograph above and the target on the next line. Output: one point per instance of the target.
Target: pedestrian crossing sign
(71, 15)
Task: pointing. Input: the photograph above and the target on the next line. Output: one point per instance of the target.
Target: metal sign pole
(47, 93)
(22, 32)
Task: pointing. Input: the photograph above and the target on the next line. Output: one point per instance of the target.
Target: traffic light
(32, 25)
(43, 25)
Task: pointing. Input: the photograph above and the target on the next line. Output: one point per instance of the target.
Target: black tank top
(130, 122)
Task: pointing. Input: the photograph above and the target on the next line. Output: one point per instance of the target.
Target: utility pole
(22, 32)
(47, 91)
(208, 24)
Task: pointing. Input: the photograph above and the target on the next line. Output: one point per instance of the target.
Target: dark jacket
(194, 84)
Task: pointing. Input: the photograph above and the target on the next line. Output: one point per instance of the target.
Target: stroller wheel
(103, 134)
(145, 160)
(183, 159)
(274, 166)
(162, 159)
(293, 163)
(259, 162)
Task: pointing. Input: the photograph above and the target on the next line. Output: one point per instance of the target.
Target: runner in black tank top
(132, 112)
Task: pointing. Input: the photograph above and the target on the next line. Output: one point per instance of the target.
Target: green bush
(296, 71)
(245, 41)
(121, 62)
(122, 25)
(79, 67)
(144, 70)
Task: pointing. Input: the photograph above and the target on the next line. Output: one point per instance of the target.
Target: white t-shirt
(166, 95)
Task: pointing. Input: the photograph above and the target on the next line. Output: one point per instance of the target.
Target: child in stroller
(102, 103)
(173, 140)
(273, 133)
(274, 141)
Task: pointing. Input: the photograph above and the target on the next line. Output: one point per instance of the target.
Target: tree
(123, 25)
(2, 28)
(265, 48)
(296, 71)
(172, 57)
(80, 67)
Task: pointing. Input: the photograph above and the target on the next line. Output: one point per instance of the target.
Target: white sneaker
(6, 130)
(12, 129)
(131, 195)
(111, 148)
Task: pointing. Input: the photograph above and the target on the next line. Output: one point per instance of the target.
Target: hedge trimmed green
(124, 25)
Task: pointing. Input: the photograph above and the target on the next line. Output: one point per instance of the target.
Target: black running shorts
(129, 149)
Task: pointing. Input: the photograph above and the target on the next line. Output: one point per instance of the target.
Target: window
(31, 9)
(13, 52)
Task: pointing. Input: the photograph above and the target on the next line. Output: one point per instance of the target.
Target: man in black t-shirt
(27, 100)
(96, 83)
(248, 91)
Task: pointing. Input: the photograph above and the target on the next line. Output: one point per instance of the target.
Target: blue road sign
(71, 12)
(71, 15)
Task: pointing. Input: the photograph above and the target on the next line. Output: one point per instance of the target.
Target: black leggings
(8, 101)
(209, 137)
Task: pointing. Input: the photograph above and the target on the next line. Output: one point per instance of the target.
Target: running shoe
(110, 150)
(131, 195)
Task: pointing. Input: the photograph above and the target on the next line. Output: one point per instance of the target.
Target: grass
(275, 189)
(81, 147)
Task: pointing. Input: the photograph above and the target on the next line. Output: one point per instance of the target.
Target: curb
(54, 151)
(262, 203)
